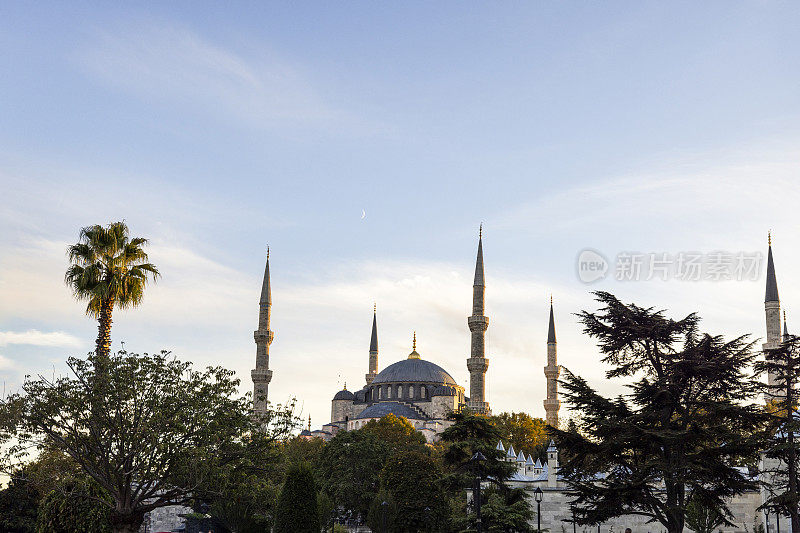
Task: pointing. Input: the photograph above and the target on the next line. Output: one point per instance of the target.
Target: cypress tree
(297, 506)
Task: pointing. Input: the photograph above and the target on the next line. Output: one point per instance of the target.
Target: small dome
(444, 390)
(344, 394)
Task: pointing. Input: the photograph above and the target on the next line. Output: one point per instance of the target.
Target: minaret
(261, 374)
(477, 362)
(785, 329)
(551, 371)
(772, 308)
(373, 347)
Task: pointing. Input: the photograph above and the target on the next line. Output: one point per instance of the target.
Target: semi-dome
(415, 371)
(344, 394)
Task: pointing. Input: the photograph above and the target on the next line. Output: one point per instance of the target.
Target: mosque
(415, 388)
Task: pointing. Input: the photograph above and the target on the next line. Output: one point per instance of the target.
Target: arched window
(380, 394)
(411, 391)
(424, 392)
(388, 391)
(399, 391)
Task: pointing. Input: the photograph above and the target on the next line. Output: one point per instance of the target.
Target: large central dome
(414, 370)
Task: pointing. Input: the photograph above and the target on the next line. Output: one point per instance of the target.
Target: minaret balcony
(262, 336)
(261, 375)
(477, 364)
(478, 323)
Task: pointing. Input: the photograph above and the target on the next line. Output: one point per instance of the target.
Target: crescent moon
(363, 214)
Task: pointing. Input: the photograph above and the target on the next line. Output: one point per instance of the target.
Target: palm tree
(108, 269)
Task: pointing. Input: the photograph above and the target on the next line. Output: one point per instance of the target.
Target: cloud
(177, 65)
(39, 338)
(6, 363)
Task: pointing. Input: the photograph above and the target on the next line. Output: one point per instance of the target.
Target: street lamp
(538, 495)
(384, 505)
(428, 518)
(476, 491)
(766, 520)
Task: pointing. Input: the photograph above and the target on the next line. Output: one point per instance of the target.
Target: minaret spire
(477, 364)
(551, 372)
(373, 347)
(772, 307)
(261, 374)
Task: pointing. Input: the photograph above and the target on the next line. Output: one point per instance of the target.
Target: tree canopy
(679, 433)
(151, 438)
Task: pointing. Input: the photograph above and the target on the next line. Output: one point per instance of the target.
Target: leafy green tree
(349, 469)
(108, 269)
(75, 506)
(527, 434)
(781, 466)
(297, 510)
(701, 519)
(677, 435)
(381, 513)
(469, 435)
(398, 433)
(412, 479)
(161, 431)
(19, 502)
(507, 511)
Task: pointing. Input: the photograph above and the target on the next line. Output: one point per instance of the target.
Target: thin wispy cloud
(177, 65)
(35, 337)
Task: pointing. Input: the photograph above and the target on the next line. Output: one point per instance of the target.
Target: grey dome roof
(414, 370)
(379, 410)
(344, 395)
(444, 390)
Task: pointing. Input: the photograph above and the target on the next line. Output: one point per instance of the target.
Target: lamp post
(766, 520)
(574, 525)
(384, 505)
(538, 495)
(428, 518)
(476, 491)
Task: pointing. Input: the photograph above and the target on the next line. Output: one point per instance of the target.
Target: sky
(364, 143)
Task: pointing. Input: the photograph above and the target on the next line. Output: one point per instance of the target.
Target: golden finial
(551, 299)
(345, 385)
(374, 307)
(769, 238)
(309, 421)
(784, 315)
(480, 231)
(414, 354)
(268, 252)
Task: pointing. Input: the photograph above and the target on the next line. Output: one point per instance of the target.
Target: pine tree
(297, 506)
(677, 435)
(782, 454)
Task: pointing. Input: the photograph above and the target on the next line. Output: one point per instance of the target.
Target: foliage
(398, 433)
(297, 510)
(507, 511)
(18, 504)
(75, 506)
(677, 434)
(468, 435)
(701, 519)
(109, 269)
(781, 468)
(380, 514)
(349, 469)
(412, 480)
(152, 437)
(527, 434)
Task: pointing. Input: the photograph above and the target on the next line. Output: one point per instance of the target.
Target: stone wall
(555, 510)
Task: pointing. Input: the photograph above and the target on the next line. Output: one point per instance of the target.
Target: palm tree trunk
(103, 344)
